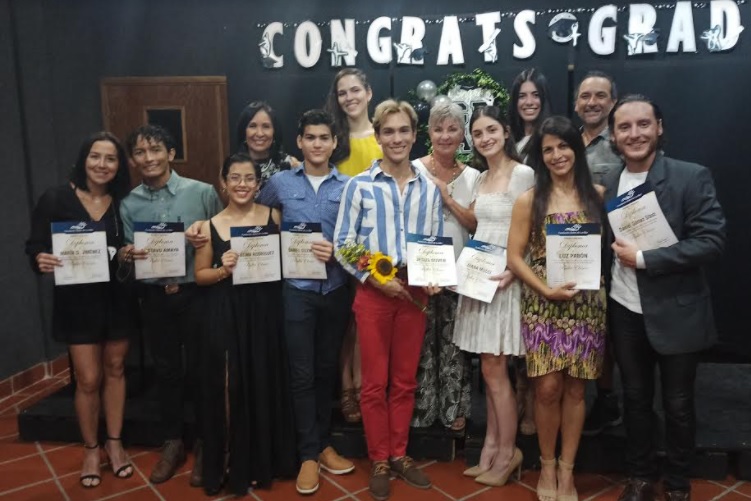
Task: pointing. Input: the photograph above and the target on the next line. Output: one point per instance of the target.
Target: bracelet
(222, 274)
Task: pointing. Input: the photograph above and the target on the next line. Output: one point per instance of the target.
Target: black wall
(53, 54)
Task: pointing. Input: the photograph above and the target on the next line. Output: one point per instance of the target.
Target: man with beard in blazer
(659, 306)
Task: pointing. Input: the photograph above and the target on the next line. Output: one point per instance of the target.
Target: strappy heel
(124, 471)
(570, 467)
(546, 493)
(94, 479)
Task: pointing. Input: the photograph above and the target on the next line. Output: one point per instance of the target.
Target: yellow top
(362, 152)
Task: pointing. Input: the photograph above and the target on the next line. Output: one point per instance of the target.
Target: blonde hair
(389, 107)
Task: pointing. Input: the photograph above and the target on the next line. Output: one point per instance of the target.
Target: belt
(171, 289)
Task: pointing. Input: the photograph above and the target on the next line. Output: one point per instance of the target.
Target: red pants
(391, 332)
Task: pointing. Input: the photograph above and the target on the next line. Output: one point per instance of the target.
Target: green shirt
(181, 200)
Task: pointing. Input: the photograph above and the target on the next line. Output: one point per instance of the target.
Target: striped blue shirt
(375, 214)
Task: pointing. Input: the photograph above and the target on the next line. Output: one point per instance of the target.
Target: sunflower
(381, 267)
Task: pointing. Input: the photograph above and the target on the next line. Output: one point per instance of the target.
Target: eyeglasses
(238, 178)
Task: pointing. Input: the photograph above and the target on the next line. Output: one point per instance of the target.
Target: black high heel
(121, 471)
(94, 478)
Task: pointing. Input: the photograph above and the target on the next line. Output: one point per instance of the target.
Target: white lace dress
(494, 327)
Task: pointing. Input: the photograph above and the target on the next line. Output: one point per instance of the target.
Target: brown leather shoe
(332, 462)
(638, 490)
(405, 468)
(173, 456)
(380, 478)
(677, 495)
(196, 476)
(307, 479)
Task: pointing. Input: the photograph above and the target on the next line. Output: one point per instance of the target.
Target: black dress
(244, 328)
(83, 313)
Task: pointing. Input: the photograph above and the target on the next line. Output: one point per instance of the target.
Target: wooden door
(193, 109)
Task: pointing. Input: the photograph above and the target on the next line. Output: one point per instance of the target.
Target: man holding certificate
(378, 209)
(316, 310)
(659, 301)
(170, 312)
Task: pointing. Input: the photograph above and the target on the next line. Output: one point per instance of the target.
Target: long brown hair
(341, 121)
(564, 129)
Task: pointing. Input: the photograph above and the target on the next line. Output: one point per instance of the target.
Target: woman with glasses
(244, 363)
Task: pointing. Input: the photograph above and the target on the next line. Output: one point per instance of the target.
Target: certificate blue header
(74, 227)
(429, 239)
(485, 247)
(572, 230)
(252, 231)
(301, 227)
(630, 196)
(159, 227)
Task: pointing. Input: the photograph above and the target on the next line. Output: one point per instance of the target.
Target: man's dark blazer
(674, 292)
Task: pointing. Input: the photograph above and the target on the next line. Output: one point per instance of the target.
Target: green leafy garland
(477, 78)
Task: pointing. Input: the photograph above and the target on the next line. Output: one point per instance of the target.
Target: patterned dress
(563, 335)
(494, 327)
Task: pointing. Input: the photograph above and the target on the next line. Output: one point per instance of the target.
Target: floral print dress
(563, 335)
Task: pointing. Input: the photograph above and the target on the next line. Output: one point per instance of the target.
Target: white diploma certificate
(573, 254)
(430, 260)
(82, 248)
(476, 264)
(257, 249)
(165, 243)
(636, 216)
(298, 260)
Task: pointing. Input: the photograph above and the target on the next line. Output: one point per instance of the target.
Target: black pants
(171, 324)
(314, 327)
(637, 360)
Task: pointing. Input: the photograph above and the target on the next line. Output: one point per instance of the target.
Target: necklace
(455, 171)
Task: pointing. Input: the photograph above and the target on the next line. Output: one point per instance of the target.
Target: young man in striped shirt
(378, 209)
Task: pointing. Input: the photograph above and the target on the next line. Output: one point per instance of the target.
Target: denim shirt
(291, 192)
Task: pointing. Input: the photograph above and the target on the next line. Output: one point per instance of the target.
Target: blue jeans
(314, 327)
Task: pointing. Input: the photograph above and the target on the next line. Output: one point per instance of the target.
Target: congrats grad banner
(632, 25)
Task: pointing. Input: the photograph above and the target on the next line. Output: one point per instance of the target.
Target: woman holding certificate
(443, 386)
(563, 327)
(94, 317)
(492, 329)
(243, 353)
(356, 151)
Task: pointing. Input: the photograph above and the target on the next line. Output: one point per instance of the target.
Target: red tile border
(58, 365)
(33, 380)
(6, 388)
(29, 376)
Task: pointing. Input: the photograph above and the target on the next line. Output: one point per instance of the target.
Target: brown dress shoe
(173, 456)
(380, 478)
(332, 462)
(196, 476)
(308, 478)
(638, 490)
(677, 495)
(405, 468)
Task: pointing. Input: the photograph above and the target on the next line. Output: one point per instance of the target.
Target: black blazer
(673, 289)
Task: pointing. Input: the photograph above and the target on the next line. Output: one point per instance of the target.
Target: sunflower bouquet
(380, 265)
